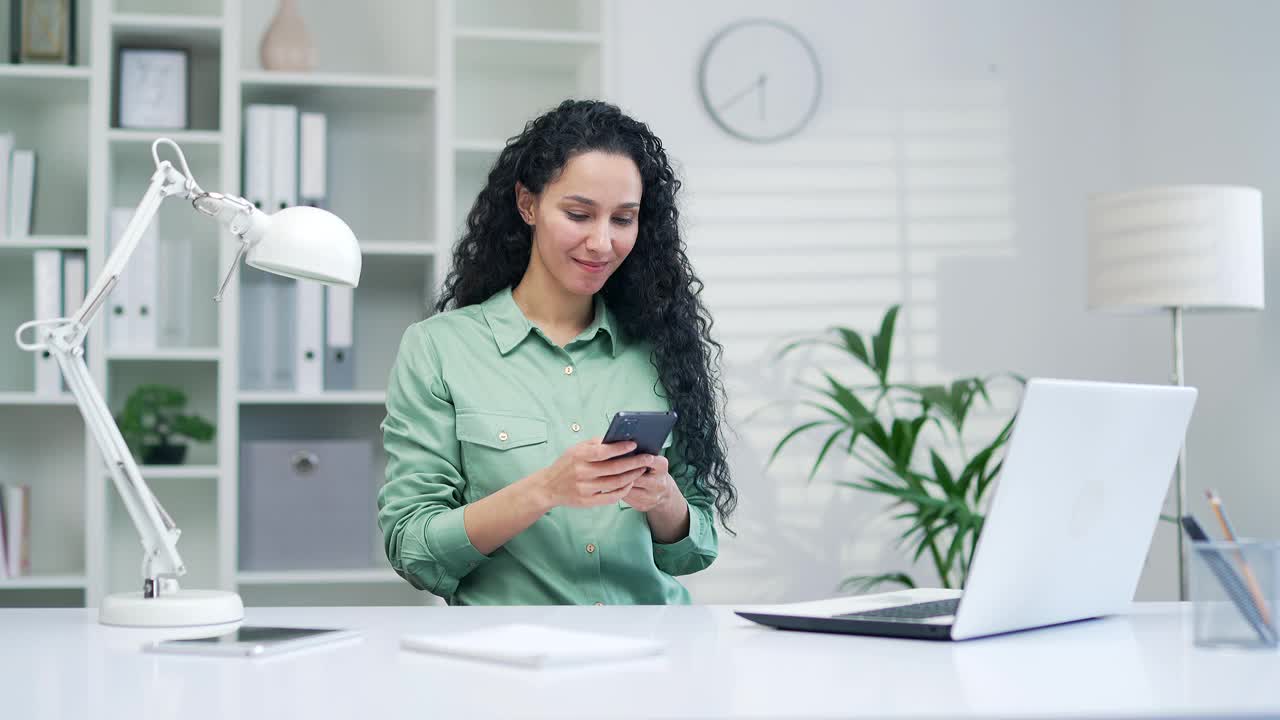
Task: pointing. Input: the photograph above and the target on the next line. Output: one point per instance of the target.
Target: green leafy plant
(884, 425)
(153, 424)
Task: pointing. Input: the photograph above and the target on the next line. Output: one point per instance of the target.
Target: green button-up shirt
(478, 399)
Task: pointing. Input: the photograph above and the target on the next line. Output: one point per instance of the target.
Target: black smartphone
(648, 429)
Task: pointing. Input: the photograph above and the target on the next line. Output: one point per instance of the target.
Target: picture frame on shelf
(42, 31)
(153, 88)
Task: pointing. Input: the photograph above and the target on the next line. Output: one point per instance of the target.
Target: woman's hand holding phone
(653, 488)
(593, 473)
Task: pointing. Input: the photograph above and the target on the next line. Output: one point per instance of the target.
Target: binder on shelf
(253, 333)
(282, 332)
(309, 356)
(143, 287)
(339, 338)
(258, 128)
(17, 529)
(131, 321)
(22, 181)
(174, 290)
(4, 544)
(284, 302)
(6, 151)
(267, 331)
(313, 161)
(74, 275)
(284, 157)
(48, 306)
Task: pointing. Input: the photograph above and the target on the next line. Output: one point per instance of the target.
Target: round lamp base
(183, 608)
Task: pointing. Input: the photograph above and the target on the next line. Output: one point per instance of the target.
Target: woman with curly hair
(570, 298)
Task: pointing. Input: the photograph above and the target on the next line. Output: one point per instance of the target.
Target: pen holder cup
(1235, 593)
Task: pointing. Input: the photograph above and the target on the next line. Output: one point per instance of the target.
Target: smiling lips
(590, 266)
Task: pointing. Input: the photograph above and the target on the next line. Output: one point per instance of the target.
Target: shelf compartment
(47, 110)
(187, 314)
(395, 40)
(521, 16)
(381, 159)
(523, 76)
(56, 475)
(198, 381)
(201, 38)
(193, 507)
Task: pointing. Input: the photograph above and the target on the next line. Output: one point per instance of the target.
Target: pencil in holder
(1235, 593)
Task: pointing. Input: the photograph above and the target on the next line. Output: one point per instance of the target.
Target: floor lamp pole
(1180, 494)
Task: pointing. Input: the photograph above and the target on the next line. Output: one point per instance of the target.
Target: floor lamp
(1173, 249)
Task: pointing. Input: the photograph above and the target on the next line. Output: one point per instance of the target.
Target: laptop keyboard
(915, 611)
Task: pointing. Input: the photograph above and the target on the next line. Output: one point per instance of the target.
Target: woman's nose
(599, 240)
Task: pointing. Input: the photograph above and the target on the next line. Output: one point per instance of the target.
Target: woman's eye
(576, 217)
(624, 221)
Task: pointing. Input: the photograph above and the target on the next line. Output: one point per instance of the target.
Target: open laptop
(1075, 507)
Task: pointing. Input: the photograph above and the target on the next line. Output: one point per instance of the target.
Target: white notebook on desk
(533, 646)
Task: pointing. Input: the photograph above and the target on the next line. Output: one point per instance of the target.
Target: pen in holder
(1235, 593)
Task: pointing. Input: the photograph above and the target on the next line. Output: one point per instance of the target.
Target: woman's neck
(561, 314)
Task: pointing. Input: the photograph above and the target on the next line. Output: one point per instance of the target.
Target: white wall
(947, 168)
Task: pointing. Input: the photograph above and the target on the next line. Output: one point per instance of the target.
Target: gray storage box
(307, 505)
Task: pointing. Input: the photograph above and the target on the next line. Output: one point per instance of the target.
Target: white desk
(61, 664)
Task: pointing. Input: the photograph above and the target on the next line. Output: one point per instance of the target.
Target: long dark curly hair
(654, 293)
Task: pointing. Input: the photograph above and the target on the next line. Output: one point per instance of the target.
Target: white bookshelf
(188, 354)
(30, 399)
(420, 97)
(185, 138)
(330, 397)
(359, 576)
(180, 472)
(44, 582)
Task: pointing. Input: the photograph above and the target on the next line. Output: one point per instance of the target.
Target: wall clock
(760, 80)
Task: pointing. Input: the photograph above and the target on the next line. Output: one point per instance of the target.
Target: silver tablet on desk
(254, 641)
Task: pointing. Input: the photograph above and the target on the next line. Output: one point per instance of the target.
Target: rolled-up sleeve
(699, 548)
(420, 508)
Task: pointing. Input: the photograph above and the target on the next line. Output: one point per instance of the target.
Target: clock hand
(740, 94)
(763, 78)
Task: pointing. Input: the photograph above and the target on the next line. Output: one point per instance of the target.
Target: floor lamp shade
(1187, 246)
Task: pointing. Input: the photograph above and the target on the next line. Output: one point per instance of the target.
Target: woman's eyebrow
(588, 201)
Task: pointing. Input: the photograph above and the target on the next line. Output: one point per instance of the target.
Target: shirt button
(503, 436)
(575, 427)
(568, 369)
(591, 548)
(599, 604)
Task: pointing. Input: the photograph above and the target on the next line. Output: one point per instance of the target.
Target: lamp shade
(308, 244)
(1188, 246)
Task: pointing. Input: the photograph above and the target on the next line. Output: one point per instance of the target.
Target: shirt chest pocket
(499, 449)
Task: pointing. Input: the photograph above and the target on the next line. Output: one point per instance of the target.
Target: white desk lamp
(299, 242)
(1176, 248)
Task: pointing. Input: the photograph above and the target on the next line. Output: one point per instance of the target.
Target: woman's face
(585, 220)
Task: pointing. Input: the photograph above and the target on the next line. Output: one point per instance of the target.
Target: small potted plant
(153, 425)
